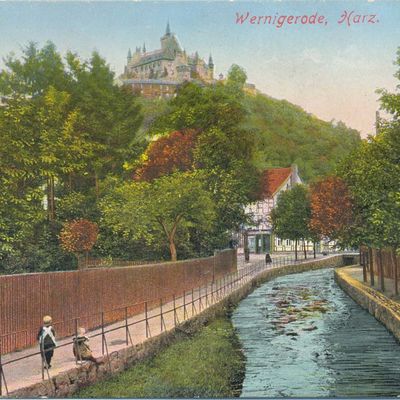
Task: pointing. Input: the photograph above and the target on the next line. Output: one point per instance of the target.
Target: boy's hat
(47, 320)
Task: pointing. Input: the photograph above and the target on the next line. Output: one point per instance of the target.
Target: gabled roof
(272, 179)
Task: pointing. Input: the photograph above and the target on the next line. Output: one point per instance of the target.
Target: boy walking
(47, 340)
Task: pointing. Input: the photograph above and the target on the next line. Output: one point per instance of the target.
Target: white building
(259, 235)
(260, 238)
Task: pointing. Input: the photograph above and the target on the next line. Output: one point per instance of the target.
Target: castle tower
(210, 68)
(169, 43)
(144, 47)
(129, 57)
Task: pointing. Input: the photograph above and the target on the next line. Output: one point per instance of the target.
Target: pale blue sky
(331, 71)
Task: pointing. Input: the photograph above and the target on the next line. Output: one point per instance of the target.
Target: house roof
(272, 179)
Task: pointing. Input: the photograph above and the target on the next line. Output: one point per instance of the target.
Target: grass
(208, 364)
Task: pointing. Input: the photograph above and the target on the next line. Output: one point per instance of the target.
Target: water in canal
(304, 337)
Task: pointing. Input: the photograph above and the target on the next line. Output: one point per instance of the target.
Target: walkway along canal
(304, 337)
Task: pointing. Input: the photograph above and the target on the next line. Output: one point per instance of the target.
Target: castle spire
(168, 30)
(210, 62)
(129, 57)
(144, 47)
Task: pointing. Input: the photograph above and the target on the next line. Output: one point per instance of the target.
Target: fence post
(161, 316)
(128, 333)
(184, 305)
(194, 309)
(126, 325)
(174, 310)
(207, 295)
(43, 358)
(104, 342)
(147, 321)
(200, 302)
(2, 376)
(192, 304)
(77, 352)
(102, 333)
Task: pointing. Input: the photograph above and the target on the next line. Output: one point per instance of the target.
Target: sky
(331, 69)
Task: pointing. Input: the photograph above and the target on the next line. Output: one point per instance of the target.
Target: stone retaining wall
(377, 304)
(66, 383)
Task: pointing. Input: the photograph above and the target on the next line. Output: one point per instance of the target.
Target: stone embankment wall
(381, 307)
(86, 294)
(65, 384)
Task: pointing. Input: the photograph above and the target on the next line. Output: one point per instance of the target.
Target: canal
(304, 337)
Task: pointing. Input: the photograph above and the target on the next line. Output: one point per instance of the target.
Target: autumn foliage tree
(79, 236)
(168, 154)
(331, 208)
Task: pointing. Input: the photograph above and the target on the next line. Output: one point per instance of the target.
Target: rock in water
(310, 328)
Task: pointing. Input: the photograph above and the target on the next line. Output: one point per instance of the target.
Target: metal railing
(189, 303)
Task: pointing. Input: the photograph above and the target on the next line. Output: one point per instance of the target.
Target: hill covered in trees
(286, 134)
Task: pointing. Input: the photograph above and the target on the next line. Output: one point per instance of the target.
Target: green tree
(165, 206)
(111, 115)
(65, 127)
(34, 73)
(236, 77)
(291, 216)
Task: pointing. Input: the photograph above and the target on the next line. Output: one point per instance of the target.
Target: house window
(279, 242)
(287, 242)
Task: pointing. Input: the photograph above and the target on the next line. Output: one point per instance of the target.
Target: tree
(331, 209)
(236, 77)
(34, 73)
(65, 127)
(168, 154)
(79, 236)
(372, 175)
(201, 108)
(111, 115)
(223, 150)
(168, 205)
(291, 216)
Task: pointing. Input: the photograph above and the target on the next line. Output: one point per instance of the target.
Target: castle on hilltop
(158, 73)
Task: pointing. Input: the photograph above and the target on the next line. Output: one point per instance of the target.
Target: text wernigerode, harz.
(346, 18)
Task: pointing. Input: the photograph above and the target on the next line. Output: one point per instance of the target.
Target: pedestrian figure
(268, 259)
(47, 341)
(81, 348)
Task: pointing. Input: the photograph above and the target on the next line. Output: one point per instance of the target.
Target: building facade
(260, 238)
(259, 235)
(158, 73)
